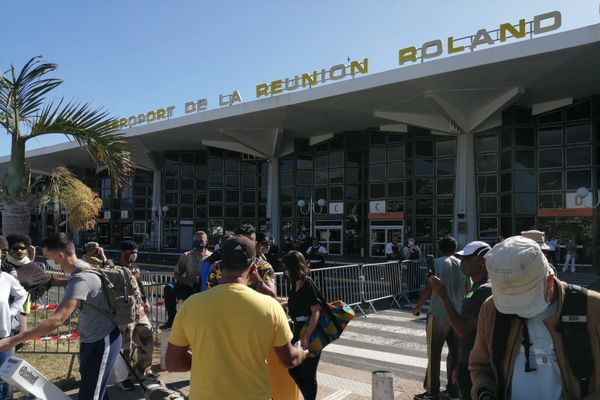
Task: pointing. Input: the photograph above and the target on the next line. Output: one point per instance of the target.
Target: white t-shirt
(10, 286)
(545, 382)
(322, 250)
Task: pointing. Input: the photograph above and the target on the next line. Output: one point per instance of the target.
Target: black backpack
(573, 328)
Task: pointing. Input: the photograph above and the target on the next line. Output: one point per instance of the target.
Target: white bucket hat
(517, 269)
(537, 236)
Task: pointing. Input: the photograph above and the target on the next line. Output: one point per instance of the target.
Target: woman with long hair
(304, 307)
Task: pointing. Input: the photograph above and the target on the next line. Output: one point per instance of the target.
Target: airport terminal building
(480, 144)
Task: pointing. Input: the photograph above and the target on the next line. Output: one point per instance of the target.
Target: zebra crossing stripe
(375, 355)
(338, 395)
(400, 330)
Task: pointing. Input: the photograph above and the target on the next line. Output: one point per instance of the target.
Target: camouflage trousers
(138, 335)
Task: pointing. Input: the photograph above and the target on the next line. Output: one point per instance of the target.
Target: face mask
(132, 257)
(265, 250)
(198, 245)
(52, 264)
(539, 308)
(410, 242)
(18, 254)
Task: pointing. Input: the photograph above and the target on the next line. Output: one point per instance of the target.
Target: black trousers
(305, 376)
(172, 293)
(464, 381)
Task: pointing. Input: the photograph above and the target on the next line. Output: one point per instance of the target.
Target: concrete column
(465, 199)
(273, 208)
(156, 201)
(382, 385)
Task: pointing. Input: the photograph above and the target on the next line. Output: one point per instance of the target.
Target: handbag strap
(325, 306)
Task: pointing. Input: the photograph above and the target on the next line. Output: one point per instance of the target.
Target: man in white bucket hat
(522, 350)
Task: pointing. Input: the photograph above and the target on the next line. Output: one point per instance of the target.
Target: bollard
(382, 385)
(164, 342)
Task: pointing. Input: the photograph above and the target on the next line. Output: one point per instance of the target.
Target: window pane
(377, 190)
(487, 184)
(488, 228)
(551, 200)
(215, 166)
(395, 170)
(487, 144)
(488, 205)
(524, 181)
(578, 133)
(232, 211)
(445, 186)
(232, 196)
(321, 177)
(550, 118)
(446, 148)
(506, 182)
(286, 165)
(377, 155)
(285, 180)
(336, 193)
(424, 227)
(336, 176)
(506, 226)
(172, 184)
(506, 203)
(187, 184)
(248, 212)
(423, 167)
(550, 181)
(524, 137)
(321, 162)
(336, 159)
(524, 159)
(215, 196)
(424, 148)
(550, 136)
(506, 139)
(172, 170)
(424, 207)
(395, 206)
(248, 181)
(353, 159)
(353, 175)
(215, 180)
(579, 156)
(506, 160)
(550, 158)
(248, 197)
(187, 198)
(172, 198)
(443, 227)
(445, 166)
(579, 111)
(304, 161)
(580, 178)
(186, 212)
(377, 172)
(487, 162)
(395, 153)
(232, 167)
(424, 186)
(525, 203)
(215, 211)
(304, 177)
(353, 192)
(395, 189)
(445, 205)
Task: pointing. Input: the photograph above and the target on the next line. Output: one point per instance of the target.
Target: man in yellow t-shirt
(230, 330)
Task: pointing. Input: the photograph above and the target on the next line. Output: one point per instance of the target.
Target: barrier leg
(71, 366)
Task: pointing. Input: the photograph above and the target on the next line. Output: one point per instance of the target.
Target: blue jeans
(5, 388)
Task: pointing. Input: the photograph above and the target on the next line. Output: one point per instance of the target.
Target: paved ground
(391, 340)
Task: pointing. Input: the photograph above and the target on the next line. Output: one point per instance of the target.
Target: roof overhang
(462, 93)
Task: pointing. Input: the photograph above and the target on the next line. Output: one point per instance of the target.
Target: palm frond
(93, 130)
(81, 203)
(22, 94)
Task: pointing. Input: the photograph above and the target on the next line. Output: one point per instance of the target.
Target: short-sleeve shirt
(87, 287)
(301, 301)
(470, 307)
(265, 271)
(230, 329)
(449, 272)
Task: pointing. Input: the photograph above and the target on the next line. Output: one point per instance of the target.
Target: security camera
(460, 215)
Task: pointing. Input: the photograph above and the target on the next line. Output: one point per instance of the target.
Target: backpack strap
(573, 328)
(502, 326)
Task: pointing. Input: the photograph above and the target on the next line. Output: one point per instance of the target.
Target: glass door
(331, 238)
(382, 233)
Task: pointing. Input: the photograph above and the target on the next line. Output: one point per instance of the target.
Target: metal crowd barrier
(341, 283)
(413, 275)
(382, 281)
(163, 277)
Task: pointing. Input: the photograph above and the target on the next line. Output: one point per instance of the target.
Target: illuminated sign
(542, 23)
(310, 79)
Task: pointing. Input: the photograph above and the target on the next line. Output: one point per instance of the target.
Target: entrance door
(186, 234)
(331, 238)
(382, 233)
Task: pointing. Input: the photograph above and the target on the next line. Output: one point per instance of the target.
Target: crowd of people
(500, 310)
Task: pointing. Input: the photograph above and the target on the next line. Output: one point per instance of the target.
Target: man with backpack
(537, 337)
(140, 331)
(85, 292)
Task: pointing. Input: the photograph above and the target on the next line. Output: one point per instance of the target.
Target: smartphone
(430, 268)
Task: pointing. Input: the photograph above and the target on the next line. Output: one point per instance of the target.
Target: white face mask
(52, 264)
(540, 307)
(132, 257)
(265, 250)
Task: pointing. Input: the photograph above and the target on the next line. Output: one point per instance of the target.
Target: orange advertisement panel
(565, 212)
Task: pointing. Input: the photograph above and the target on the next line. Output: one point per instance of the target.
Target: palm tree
(26, 113)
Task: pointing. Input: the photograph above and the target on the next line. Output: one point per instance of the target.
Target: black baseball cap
(238, 252)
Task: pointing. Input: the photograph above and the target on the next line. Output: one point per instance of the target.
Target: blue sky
(135, 56)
